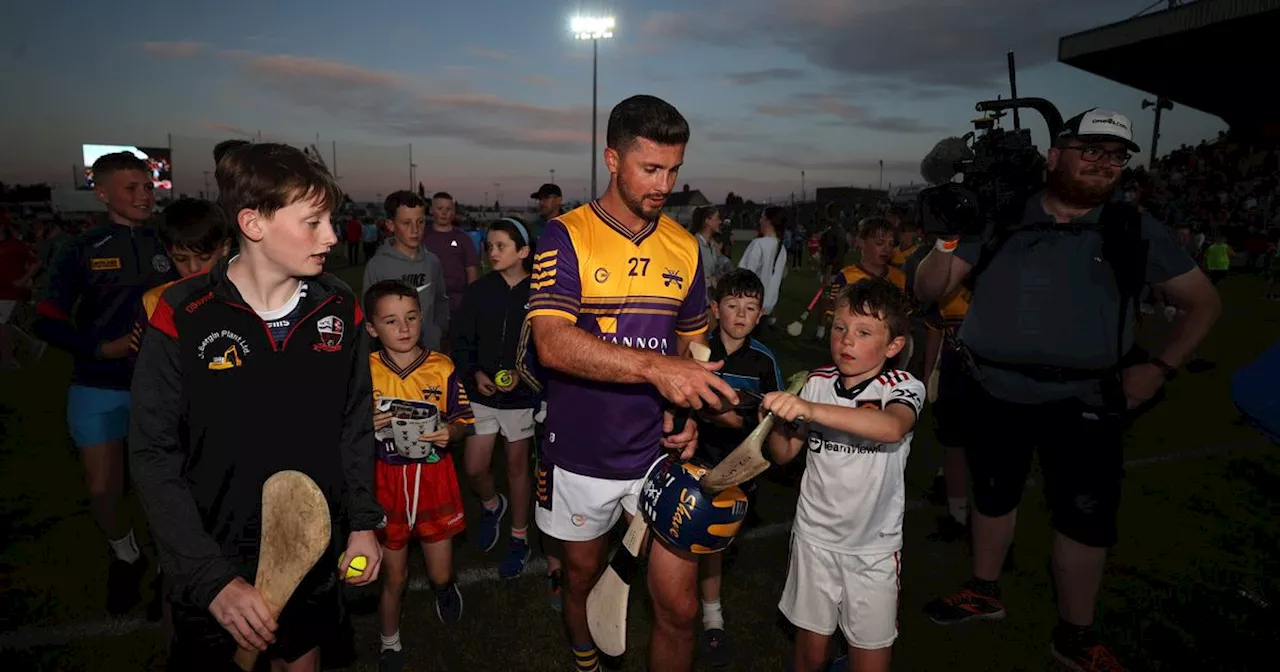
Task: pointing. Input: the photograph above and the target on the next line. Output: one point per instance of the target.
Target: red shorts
(439, 514)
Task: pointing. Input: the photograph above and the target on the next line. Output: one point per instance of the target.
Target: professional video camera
(1000, 168)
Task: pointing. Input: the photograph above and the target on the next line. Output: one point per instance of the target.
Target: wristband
(946, 246)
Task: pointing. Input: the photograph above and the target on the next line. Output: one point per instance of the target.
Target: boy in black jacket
(485, 337)
(748, 365)
(254, 368)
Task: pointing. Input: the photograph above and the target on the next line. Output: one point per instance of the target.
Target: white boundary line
(36, 637)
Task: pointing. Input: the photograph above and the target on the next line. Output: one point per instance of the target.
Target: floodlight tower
(594, 29)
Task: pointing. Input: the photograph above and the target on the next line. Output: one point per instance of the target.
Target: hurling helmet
(685, 517)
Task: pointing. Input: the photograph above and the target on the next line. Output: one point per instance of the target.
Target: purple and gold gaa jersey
(635, 290)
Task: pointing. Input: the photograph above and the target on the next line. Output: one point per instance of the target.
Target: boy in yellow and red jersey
(908, 238)
(195, 234)
(875, 245)
(415, 480)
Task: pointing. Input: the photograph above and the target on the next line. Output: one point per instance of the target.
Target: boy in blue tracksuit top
(88, 309)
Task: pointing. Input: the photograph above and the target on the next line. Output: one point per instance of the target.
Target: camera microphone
(943, 161)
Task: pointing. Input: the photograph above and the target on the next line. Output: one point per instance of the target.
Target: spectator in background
(705, 225)
(453, 247)
(53, 236)
(353, 235)
(548, 197)
(18, 266)
(369, 236)
(767, 258)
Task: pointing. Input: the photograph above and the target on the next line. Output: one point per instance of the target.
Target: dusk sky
(498, 91)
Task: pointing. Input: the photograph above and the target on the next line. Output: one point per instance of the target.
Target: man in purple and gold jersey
(617, 296)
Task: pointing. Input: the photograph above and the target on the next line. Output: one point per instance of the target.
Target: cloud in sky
(922, 42)
(388, 104)
(768, 86)
(182, 49)
(769, 75)
(837, 109)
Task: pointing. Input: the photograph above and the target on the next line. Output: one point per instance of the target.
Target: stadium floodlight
(592, 27)
(595, 29)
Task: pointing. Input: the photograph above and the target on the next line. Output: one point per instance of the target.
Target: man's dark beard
(635, 205)
(1080, 193)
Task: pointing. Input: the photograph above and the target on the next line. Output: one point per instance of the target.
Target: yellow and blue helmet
(685, 517)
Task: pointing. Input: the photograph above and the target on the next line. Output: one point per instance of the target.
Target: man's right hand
(240, 609)
(688, 382)
(485, 384)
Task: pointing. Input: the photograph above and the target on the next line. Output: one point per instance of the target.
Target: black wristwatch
(1170, 372)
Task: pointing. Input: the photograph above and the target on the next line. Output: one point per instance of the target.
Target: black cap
(546, 190)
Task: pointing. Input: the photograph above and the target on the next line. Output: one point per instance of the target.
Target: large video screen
(156, 157)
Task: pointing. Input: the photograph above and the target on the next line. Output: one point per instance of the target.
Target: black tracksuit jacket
(485, 336)
(218, 406)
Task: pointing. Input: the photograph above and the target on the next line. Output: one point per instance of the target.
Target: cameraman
(1050, 365)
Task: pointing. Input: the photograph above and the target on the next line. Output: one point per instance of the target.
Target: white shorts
(516, 424)
(857, 592)
(6, 310)
(573, 507)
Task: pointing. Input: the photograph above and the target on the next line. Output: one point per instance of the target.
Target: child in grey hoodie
(402, 257)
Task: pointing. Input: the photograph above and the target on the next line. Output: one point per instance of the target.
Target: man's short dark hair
(402, 199)
(385, 288)
(441, 194)
(116, 162)
(881, 299)
(222, 148)
(647, 117)
(870, 227)
(193, 225)
(739, 282)
(268, 177)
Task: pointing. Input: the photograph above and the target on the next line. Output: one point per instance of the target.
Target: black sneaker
(449, 604)
(966, 605)
(391, 660)
(122, 584)
(715, 648)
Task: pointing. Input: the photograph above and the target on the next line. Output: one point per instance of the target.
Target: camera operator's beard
(1080, 193)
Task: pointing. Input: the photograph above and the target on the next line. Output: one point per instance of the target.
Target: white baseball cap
(1100, 125)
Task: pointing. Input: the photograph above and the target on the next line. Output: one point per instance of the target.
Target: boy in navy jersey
(88, 310)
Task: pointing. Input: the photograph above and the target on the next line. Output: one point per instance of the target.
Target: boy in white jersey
(856, 422)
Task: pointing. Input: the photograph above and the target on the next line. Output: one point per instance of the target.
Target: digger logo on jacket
(331, 329)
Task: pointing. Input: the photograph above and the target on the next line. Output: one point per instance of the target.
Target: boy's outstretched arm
(885, 426)
(190, 557)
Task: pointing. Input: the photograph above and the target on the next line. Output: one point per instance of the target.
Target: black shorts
(948, 410)
(312, 616)
(1081, 455)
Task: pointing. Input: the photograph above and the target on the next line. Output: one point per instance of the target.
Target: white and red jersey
(853, 494)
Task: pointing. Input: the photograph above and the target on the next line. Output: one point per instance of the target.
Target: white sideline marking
(36, 637)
